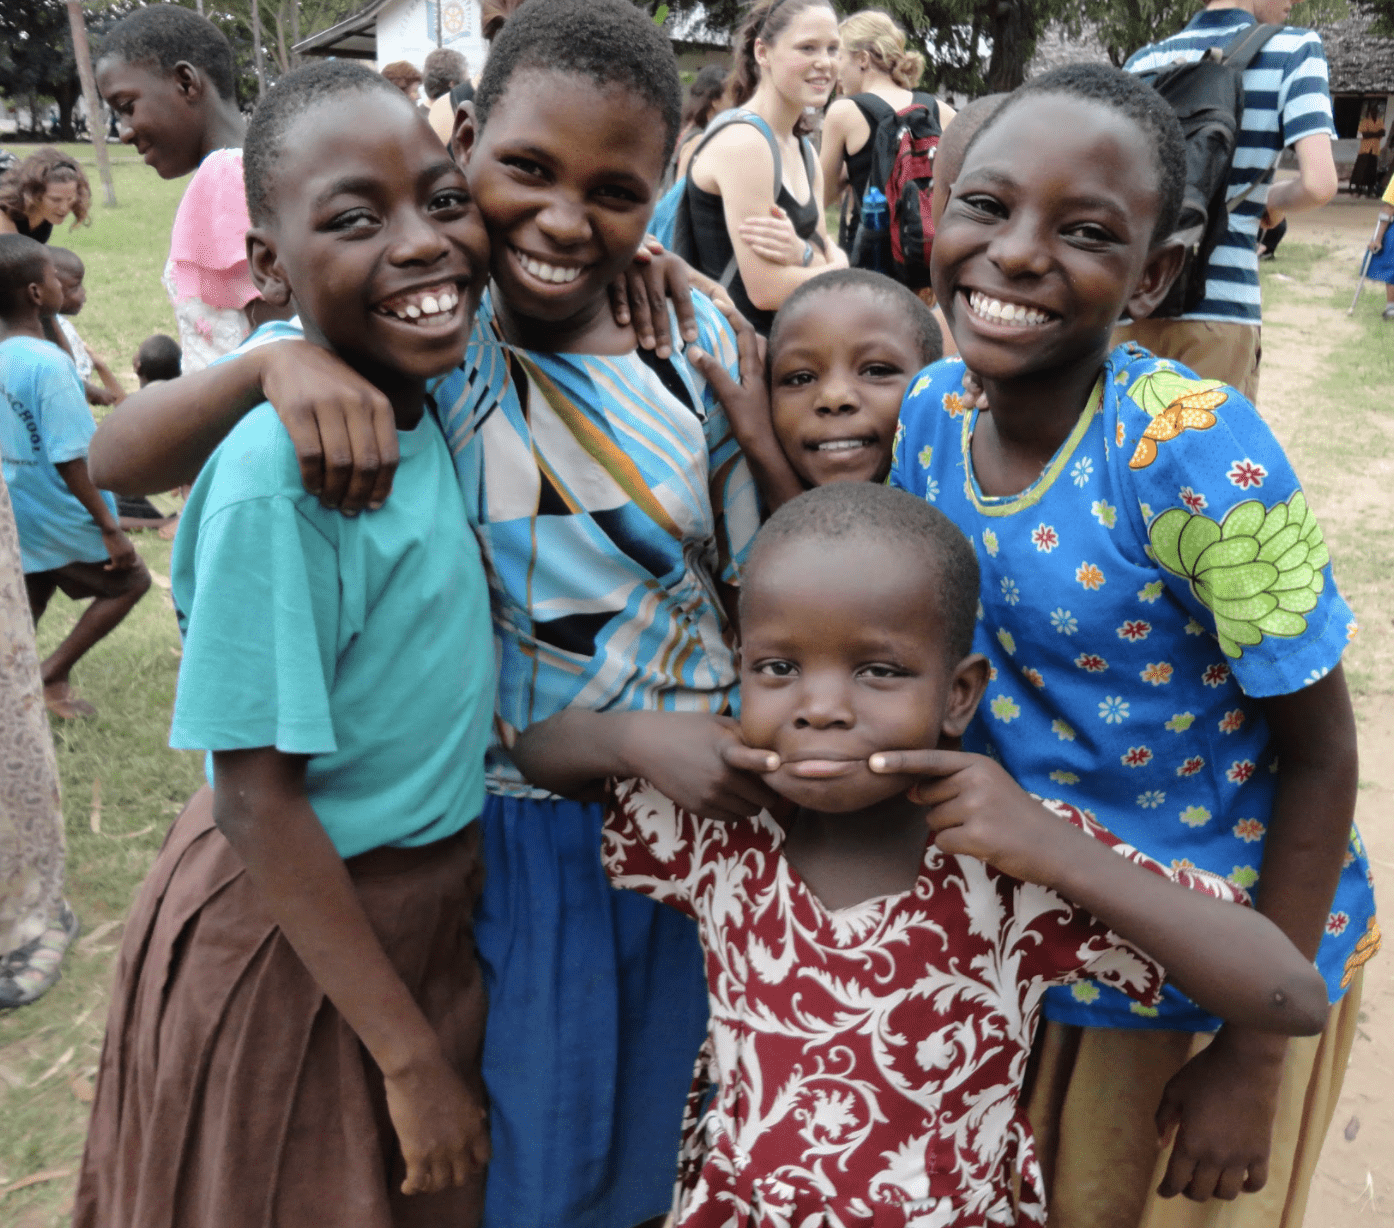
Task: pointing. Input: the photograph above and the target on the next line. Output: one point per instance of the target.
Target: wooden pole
(82, 52)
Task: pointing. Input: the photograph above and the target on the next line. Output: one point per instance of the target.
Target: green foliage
(36, 56)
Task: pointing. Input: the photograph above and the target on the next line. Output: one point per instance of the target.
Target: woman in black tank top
(877, 76)
(785, 63)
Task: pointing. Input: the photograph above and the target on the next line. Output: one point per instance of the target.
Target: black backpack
(903, 146)
(1208, 98)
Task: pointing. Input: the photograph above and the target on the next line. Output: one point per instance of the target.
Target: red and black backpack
(904, 144)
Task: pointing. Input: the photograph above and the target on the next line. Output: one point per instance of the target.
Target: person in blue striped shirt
(1287, 103)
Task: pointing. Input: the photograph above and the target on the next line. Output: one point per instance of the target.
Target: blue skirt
(597, 1007)
(1382, 262)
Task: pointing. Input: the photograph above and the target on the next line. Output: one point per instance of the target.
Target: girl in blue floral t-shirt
(1164, 633)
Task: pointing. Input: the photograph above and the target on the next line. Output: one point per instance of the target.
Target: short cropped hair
(611, 42)
(69, 262)
(444, 70)
(1125, 93)
(868, 510)
(287, 101)
(160, 358)
(164, 34)
(22, 263)
(929, 340)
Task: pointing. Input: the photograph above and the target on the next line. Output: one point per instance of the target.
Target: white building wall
(407, 30)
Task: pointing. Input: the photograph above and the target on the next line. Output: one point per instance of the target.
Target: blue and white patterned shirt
(1286, 98)
(1160, 577)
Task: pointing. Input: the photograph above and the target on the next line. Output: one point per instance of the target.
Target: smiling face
(60, 195)
(375, 235)
(843, 654)
(566, 175)
(838, 371)
(1047, 238)
(154, 112)
(801, 62)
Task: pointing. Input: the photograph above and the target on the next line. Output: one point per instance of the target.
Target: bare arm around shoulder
(737, 165)
(259, 804)
(1314, 186)
(343, 428)
(697, 760)
(1233, 961)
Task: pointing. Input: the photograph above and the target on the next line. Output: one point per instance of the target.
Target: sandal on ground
(31, 971)
(65, 703)
(1388, 312)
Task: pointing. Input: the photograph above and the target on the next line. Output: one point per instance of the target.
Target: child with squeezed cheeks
(876, 954)
(1165, 636)
(296, 1028)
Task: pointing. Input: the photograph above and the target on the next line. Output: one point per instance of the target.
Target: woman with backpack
(877, 77)
(751, 174)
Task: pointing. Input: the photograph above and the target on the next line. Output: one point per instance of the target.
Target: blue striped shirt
(1286, 97)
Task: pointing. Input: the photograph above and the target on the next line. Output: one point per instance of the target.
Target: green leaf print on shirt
(1259, 571)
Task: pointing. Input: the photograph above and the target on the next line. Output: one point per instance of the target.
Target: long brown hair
(23, 186)
(764, 21)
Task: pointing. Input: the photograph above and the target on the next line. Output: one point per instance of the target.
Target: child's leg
(40, 587)
(114, 594)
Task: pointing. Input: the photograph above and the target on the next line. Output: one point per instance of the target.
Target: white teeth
(1005, 313)
(843, 445)
(413, 310)
(547, 272)
(429, 305)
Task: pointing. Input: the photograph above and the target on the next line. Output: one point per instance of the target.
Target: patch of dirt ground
(1354, 496)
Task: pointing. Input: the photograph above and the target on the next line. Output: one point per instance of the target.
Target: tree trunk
(282, 58)
(1013, 35)
(294, 30)
(257, 51)
(66, 96)
(82, 53)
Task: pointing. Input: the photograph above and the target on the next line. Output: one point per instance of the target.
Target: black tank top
(713, 242)
(39, 234)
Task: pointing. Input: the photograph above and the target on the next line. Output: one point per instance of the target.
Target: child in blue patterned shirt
(1164, 633)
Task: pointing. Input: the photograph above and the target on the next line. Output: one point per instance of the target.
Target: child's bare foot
(65, 703)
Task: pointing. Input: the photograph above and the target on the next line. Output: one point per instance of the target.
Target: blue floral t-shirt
(1161, 575)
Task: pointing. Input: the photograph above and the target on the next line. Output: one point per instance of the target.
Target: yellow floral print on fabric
(1174, 404)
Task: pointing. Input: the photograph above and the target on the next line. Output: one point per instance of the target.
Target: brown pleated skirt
(231, 1093)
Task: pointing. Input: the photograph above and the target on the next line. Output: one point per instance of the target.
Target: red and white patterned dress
(862, 1064)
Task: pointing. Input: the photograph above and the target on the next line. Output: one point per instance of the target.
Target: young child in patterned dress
(1165, 640)
(873, 992)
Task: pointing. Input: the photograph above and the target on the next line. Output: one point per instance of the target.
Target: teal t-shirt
(45, 422)
(363, 642)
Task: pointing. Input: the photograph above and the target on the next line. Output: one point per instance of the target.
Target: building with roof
(387, 30)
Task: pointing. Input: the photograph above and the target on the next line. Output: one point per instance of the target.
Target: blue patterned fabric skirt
(597, 1007)
(1382, 262)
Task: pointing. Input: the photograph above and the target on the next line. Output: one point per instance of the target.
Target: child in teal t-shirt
(69, 535)
(1163, 627)
(300, 961)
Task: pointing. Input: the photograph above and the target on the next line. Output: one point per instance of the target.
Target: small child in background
(68, 531)
(876, 956)
(159, 357)
(71, 272)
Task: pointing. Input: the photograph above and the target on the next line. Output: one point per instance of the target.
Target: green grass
(48, 1051)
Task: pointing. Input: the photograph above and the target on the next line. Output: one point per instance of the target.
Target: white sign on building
(411, 29)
